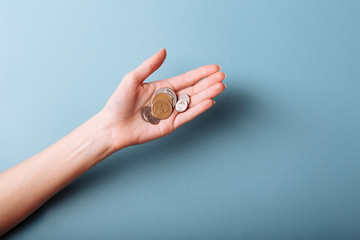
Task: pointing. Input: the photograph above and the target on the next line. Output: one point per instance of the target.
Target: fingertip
(159, 56)
(218, 67)
(163, 51)
(218, 89)
(209, 103)
(220, 86)
(213, 68)
(158, 59)
(221, 75)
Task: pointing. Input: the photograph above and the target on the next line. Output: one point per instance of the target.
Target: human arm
(25, 187)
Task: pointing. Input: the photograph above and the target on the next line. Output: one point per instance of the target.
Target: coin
(164, 96)
(152, 119)
(171, 91)
(184, 96)
(181, 105)
(165, 89)
(144, 113)
(161, 109)
(147, 116)
(168, 91)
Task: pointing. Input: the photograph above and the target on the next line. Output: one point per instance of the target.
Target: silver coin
(165, 89)
(173, 98)
(160, 90)
(181, 105)
(152, 119)
(144, 112)
(184, 96)
(169, 92)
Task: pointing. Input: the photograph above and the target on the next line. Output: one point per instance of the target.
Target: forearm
(28, 185)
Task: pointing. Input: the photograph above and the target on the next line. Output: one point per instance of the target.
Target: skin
(25, 187)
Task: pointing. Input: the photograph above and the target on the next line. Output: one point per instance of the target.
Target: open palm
(122, 111)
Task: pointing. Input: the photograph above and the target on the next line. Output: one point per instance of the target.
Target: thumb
(139, 74)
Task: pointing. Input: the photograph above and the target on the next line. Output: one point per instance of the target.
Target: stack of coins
(183, 102)
(166, 91)
(162, 104)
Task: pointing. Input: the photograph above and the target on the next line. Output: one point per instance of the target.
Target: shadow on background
(231, 109)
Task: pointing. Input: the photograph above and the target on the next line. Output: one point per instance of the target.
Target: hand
(122, 111)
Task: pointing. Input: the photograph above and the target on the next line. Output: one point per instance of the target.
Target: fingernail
(163, 49)
(219, 67)
(224, 85)
(214, 102)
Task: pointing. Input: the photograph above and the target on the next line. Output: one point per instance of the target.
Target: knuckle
(152, 67)
(129, 76)
(207, 93)
(196, 88)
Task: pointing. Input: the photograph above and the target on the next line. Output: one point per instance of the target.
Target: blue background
(277, 157)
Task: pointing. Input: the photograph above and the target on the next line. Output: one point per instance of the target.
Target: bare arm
(25, 187)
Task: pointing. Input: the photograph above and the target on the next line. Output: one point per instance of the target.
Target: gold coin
(161, 96)
(161, 109)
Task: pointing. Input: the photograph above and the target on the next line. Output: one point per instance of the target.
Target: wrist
(105, 136)
(97, 130)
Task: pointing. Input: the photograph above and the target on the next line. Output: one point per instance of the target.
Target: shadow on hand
(232, 107)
